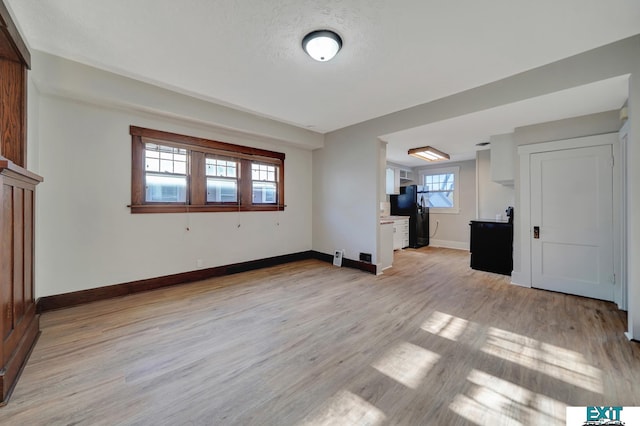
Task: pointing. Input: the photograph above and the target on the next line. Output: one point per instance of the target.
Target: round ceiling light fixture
(322, 45)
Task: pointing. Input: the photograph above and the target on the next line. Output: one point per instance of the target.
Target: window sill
(181, 208)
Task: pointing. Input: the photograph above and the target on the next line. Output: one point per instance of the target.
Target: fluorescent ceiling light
(322, 45)
(428, 153)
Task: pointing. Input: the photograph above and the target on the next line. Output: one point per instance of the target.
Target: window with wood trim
(222, 179)
(165, 174)
(172, 173)
(264, 185)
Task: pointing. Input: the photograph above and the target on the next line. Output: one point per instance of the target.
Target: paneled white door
(572, 221)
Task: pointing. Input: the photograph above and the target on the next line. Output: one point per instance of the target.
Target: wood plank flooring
(430, 342)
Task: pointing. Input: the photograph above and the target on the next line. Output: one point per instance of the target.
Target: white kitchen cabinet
(393, 181)
(395, 177)
(503, 159)
(405, 175)
(400, 233)
(386, 245)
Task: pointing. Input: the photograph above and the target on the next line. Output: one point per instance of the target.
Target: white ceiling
(247, 54)
(458, 136)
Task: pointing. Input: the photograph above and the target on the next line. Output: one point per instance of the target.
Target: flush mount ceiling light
(322, 45)
(429, 154)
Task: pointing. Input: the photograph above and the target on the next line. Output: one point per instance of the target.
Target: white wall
(633, 200)
(86, 236)
(33, 136)
(58, 76)
(593, 124)
(452, 229)
(347, 195)
(493, 198)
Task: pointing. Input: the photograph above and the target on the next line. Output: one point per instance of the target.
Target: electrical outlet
(337, 257)
(199, 263)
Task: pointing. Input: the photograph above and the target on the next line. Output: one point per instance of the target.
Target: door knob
(536, 232)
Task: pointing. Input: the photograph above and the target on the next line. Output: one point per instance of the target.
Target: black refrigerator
(413, 202)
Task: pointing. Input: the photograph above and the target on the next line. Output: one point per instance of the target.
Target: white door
(572, 220)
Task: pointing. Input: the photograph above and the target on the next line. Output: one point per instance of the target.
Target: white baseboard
(380, 270)
(518, 279)
(457, 245)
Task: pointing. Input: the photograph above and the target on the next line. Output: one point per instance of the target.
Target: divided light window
(222, 180)
(173, 173)
(264, 186)
(165, 174)
(442, 187)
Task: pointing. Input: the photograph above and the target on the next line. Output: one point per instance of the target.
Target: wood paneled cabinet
(19, 322)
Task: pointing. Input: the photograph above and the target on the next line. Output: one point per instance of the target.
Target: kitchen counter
(490, 220)
(400, 230)
(392, 218)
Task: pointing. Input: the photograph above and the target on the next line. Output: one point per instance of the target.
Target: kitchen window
(174, 173)
(441, 185)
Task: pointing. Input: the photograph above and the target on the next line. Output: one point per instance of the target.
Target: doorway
(568, 216)
(572, 219)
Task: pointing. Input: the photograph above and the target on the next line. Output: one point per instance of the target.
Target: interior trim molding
(13, 36)
(66, 300)
(349, 263)
(456, 245)
(517, 278)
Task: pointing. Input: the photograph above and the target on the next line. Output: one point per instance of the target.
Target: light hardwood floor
(430, 342)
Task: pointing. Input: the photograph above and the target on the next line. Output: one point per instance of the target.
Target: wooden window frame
(197, 149)
(235, 179)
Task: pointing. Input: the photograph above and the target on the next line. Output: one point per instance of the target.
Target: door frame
(524, 276)
(621, 247)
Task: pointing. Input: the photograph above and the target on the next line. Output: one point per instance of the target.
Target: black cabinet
(492, 246)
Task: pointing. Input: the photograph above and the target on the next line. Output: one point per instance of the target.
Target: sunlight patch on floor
(562, 364)
(407, 364)
(491, 400)
(345, 408)
(484, 398)
(445, 325)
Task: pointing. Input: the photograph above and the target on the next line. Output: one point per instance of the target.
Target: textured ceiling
(247, 54)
